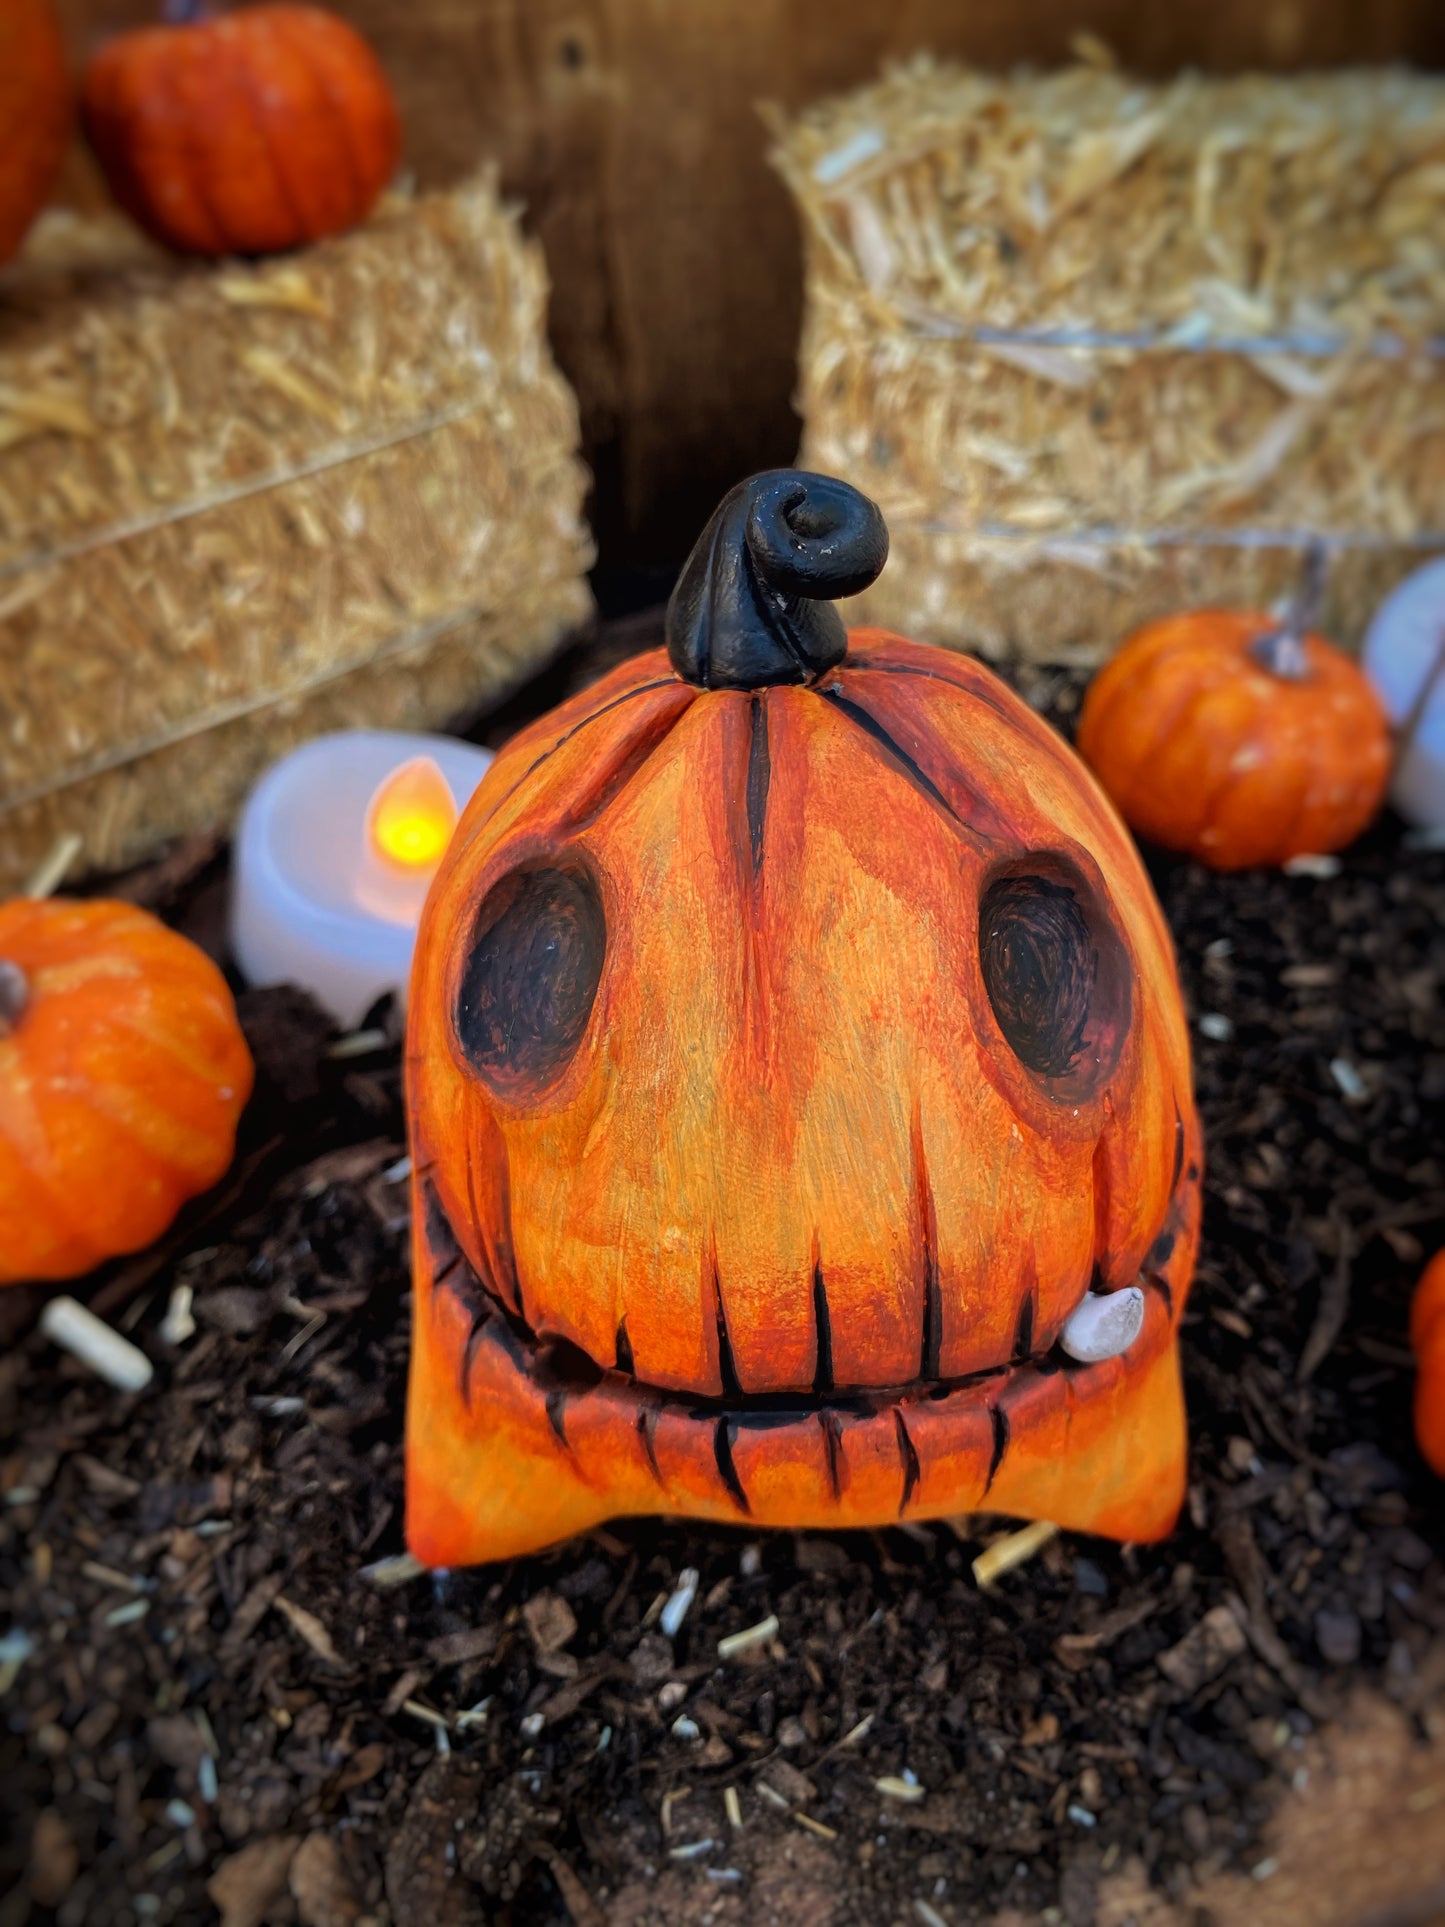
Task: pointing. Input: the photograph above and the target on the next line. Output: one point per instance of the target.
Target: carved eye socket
(1056, 973)
(530, 979)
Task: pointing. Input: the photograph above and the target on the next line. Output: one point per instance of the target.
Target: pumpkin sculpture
(245, 134)
(1237, 739)
(799, 1092)
(1427, 1337)
(34, 113)
(122, 1074)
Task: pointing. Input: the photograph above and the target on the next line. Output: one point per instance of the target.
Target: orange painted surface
(1427, 1336)
(121, 1082)
(789, 1230)
(1205, 751)
(34, 113)
(246, 134)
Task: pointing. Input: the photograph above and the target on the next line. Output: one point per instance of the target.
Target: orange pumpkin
(122, 1074)
(795, 1065)
(246, 134)
(34, 113)
(1237, 739)
(1427, 1337)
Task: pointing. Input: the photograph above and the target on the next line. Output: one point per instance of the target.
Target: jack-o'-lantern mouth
(502, 1355)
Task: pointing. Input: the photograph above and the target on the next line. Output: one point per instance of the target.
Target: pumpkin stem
(752, 605)
(14, 995)
(1282, 651)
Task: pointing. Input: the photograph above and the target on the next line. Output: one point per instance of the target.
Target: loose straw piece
(731, 1644)
(78, 1331)
(893, 1787)
(357, 1043)
(51, 873)
(1014, 1550)
(397, 1570)
(815, 1826)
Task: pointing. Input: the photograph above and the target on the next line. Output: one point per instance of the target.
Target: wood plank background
(630, 129)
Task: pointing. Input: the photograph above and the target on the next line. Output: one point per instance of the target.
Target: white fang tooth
(1104, 1324)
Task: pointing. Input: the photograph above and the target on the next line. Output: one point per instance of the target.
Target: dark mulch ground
(205, 1661)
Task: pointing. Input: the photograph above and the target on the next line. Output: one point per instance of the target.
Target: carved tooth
(1104, 1324)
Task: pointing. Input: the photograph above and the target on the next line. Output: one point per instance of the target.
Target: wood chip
(457, 1649)
(1334, 1304)
(1076, 1649)
(579, 1903)
(54, 1859)
(321, 1886)
(402, 1689)
(550, 1621)
(310, 1629)
(246, 1883)
(108, 1576)
(422, 1881)
(105, 1479)
(1205, 1650)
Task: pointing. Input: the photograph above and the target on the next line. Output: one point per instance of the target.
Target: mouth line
(562, 1370)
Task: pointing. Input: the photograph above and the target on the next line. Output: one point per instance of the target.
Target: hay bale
(1103, 348)
(242, 504)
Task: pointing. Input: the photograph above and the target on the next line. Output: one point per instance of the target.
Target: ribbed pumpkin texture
(123, 1072)
(1206, 750)
(246, 134)
(785, 1067)
(34, 113)
(1427, 1336)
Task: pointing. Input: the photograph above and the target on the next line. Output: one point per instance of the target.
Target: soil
(224, 1691)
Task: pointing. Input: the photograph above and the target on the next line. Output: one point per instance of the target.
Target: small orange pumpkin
(1427, 1337)
(122, 1074)
(1237, 739)
(246, 134)
(797, 1079)
(34, 113)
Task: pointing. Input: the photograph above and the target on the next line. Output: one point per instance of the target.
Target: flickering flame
(412, 816)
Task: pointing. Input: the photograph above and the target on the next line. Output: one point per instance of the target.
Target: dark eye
(530, 978)
(1055, 972)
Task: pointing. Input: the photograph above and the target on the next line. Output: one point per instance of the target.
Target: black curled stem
(752, 606)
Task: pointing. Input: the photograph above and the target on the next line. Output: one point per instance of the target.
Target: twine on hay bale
(1103, 348)
(244, 503)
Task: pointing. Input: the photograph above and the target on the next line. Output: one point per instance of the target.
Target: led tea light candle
(1404, 658)
(337, 848)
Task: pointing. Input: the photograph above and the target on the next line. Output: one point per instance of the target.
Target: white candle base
(1404, 657)
(306, 889)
